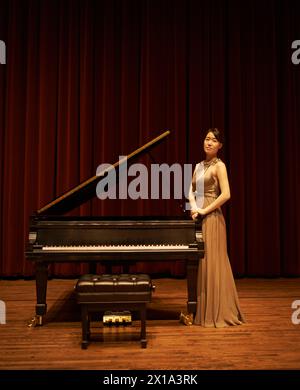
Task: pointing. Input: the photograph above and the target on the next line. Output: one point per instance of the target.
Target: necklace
(207, 164)
(203, 167)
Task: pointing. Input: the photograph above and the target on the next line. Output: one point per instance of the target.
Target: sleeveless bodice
(211, 185)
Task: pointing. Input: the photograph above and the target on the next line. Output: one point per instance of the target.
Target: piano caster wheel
(144, 343)
(36, 321)
(186, 318)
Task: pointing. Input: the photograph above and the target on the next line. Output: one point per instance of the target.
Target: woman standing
(217, 299)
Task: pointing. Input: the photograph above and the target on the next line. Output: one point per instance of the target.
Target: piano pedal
(35, 321)
(117, 318)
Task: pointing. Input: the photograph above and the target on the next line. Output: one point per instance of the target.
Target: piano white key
(90, 248)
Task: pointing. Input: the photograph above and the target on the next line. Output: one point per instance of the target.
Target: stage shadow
(66, 309)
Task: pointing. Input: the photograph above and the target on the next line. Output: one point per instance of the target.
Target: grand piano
(56, 238)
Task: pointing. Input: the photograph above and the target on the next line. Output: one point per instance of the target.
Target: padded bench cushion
(114, 288)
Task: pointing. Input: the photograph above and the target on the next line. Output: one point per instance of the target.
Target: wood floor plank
(269, 339)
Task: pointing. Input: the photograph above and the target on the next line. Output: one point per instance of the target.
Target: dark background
(87, 81)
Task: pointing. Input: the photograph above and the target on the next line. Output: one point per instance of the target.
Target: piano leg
(192, 273)
(41, 273)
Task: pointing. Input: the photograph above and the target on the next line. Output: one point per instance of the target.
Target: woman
(217, 300)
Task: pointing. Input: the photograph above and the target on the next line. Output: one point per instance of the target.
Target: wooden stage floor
(268, 341)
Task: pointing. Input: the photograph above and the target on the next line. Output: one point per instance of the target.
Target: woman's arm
(221, 174)
(192, 200)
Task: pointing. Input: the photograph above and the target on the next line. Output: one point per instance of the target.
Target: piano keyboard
(108, 248)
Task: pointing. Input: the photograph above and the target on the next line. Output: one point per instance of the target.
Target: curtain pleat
(88, 81)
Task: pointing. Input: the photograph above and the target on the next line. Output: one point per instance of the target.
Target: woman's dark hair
(217, 133)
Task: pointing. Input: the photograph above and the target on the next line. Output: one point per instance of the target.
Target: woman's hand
(198, 212)
(201, 212)
(194, 214)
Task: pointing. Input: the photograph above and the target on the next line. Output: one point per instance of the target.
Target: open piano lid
(87, 190)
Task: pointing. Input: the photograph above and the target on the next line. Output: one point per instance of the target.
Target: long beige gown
(217, 299)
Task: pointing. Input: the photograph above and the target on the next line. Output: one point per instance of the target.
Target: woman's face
(211, 144)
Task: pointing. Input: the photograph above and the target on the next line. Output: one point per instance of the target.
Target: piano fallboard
(111, 230)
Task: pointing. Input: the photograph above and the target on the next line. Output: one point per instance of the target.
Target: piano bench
(112, 292)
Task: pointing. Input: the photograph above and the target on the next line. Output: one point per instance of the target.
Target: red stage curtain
(87, 81)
